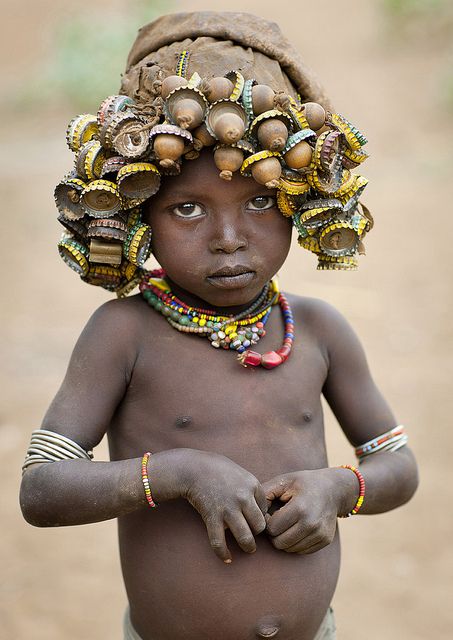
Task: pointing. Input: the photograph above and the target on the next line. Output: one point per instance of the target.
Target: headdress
(230, 81)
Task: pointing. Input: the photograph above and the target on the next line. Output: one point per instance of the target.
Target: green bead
(159, 306)
(166, 311)
(174, 315)
(184, 320)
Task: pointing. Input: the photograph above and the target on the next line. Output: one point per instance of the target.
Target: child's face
(219, 241)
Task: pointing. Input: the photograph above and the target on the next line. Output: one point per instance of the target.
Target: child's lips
(232, 277)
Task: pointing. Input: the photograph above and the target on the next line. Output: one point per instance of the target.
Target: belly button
(307, 416)
(267, 629)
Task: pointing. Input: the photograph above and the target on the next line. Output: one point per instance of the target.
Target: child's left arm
(314, 499)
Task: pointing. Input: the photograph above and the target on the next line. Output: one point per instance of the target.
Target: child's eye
(188, 210)
(261, 203)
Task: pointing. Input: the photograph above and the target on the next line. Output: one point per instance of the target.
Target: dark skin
(238, 453)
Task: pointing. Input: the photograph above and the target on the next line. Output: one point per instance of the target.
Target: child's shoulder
(126, 313)
(119, 323)
(326, 326)
(316, 314)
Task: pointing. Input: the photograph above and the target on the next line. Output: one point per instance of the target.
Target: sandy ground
(397, 568)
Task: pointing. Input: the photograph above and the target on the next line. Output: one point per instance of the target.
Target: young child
(220, 142)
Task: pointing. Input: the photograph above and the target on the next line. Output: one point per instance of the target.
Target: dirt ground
(396, 580)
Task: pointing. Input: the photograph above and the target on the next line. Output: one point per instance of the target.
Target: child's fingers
(310, 544)
(288, 538)
(216, 535)
(273, 488)
(312, 541)
(254, 517)
(282, 519)
(261, 499)
(238, 526)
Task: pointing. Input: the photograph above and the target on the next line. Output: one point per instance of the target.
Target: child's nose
(228, 236)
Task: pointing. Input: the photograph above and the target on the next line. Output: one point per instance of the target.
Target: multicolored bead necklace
(236, 332)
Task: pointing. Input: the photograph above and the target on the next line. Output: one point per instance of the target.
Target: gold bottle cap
(256, 157)
(138, 244)
(340, 263)
(310, 243)
(138, 180)
(316, 213)
(354, 137)
(273, 114)
(286, 203)
(104, 276)
(238, 81)
(101, 199)
(75, 254)
(338, 239)
(90, 160)
(80, 130)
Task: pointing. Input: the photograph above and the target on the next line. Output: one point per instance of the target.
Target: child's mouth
(231, 277)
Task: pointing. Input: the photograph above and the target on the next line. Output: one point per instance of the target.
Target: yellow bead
(195, 319)
(202, 322)
(230, 329)
(233, 335)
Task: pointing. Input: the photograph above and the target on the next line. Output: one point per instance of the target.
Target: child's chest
(185, 393)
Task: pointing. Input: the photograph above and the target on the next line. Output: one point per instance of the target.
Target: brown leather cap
(219, 42)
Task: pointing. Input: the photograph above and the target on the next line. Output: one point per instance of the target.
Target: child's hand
(308, 520)
(226, 496)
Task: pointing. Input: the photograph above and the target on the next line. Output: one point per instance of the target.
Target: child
(244, 540)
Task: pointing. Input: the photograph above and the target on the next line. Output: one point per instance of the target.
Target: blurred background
(388, 66)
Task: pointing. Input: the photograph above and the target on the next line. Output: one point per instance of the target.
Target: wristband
(361, 497)
(145, 480)
(389, 441)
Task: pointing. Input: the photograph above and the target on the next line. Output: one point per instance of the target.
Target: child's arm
(79, 491)
(316, 498)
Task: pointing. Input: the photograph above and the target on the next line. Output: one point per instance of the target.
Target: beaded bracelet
(361, 497)
(145, 480)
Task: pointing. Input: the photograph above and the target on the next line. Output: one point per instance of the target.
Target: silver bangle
(49, 446)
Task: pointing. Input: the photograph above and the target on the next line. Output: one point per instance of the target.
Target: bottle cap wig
(229, 81)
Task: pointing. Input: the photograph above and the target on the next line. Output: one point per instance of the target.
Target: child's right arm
(79, 492)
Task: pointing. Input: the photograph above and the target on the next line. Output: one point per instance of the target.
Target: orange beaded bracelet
(361, 497)
(145, 480)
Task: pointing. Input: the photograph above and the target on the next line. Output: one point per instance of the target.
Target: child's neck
(192, 300)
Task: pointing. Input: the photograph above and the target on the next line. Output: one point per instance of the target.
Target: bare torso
(184, 393)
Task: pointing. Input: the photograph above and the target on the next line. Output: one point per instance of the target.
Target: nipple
(183, 421)
(268, 628)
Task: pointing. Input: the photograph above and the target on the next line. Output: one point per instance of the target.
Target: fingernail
(228, 561)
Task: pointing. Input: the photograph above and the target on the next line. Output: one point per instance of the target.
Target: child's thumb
(274, 488)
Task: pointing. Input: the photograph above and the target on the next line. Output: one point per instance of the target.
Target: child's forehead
(200, 178)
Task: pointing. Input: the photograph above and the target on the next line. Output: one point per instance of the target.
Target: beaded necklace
(235, 332)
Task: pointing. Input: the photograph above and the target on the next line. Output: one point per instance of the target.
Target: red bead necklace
(184, 316)
(272, 359)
